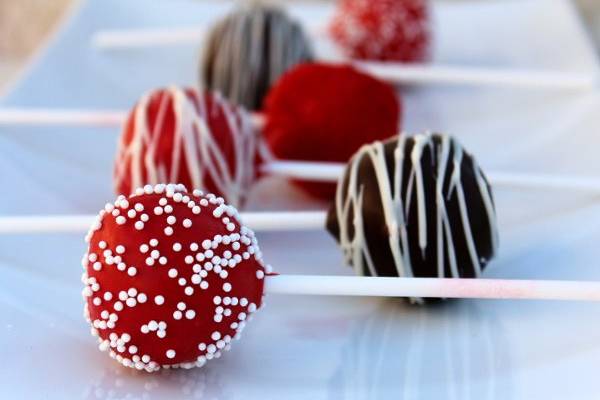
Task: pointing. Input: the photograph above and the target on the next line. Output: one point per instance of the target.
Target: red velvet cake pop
(179, 135)
(394, 30)
(319, 112)
(171, 277)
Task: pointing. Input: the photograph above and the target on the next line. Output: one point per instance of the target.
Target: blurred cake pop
(415, 207)
(170, 277)
(319, 112)
(247, 51)
(388, 30)
(179, 135)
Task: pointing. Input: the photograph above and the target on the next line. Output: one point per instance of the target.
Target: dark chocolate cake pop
(248, 50)
(415, 206)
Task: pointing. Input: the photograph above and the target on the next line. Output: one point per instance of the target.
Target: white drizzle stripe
(193, 141)
(447, 157)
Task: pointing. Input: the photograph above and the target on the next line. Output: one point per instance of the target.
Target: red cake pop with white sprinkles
(171, 277)
(179, 135)
(392, 30)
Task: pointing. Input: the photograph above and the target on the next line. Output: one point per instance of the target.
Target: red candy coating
(319, 112)
(178, 135)
(170, 278)
(394, 30)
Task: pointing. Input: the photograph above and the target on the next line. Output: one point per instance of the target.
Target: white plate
(319, 347)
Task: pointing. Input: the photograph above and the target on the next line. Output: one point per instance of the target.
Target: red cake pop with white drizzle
(179, 135)
(389, 30)
(170, 277)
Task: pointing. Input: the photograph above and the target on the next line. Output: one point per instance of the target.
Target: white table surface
(311, 347)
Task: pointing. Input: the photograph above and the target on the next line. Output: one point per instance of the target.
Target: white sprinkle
(182, 281)
(153, 242)
(141, 298)
(158, 210)
(176, 246)
(131, 213)
(144, 217)
(187, 223)
(121, 220)
(172, 273)
(162, 201)
(139, 225)
(190, 314)
(149, 261)
(177, 315)
(170, 353)
(260, 274)
(107, 296)
(131, 302)
(181, 306)
(162, 260)
(132, 292)
(155, 254)
(171, 220)
(118, 306)
(189, 290)
(159, 300)
(144, 248)
(227, 287)
(139, 207)
(215, 335)
(194, 246)
(168, 231)
(204, 285)
(189, 259)
(217, 300)
(131, 271)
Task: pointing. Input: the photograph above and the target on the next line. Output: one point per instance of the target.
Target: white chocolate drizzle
(249, 50)
(194, 140)
(448, 158)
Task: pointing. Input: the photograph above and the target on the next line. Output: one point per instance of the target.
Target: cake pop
(387, 30)
(319, 112)
(247, 51)
(180, 135)
(415, 206)
(170, 277)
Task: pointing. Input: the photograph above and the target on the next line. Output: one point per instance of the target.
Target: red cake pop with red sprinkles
(170, 277)
(179, 135)
(320, 112)
(389, 30)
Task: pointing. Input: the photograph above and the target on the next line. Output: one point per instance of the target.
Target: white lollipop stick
(49, 116)
(433, 287)
(260, 221)
(400, 73)
(476, 76)
(331, 172)
(71, 117)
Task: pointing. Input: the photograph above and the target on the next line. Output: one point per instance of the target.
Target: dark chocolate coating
(248, 50)
(481, 230)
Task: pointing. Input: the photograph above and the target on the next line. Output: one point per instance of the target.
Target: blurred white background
(25, 24)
